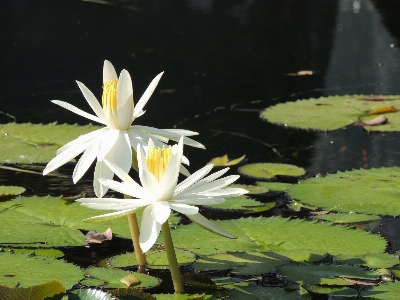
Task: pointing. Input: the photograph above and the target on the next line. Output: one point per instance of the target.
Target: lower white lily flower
(159, 193)
(113, 142)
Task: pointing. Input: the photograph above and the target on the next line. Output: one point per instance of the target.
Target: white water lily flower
(113, 142)
(159, 193)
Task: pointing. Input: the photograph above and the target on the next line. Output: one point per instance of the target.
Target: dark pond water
(224, 61)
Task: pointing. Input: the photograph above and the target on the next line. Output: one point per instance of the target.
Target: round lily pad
(373, 191)
(347, 218)
(270, 170)
(10, 190)
(334, 112)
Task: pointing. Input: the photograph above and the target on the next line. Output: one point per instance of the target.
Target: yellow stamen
(157, 160)
(109, 99)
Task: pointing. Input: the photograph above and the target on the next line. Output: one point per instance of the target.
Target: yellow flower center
(157, 160)
(109, 100)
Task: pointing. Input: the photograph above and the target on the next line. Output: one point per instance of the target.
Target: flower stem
(173, 262)
(134, 228)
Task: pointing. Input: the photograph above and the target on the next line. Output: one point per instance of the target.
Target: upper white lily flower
(113, 142)
(159, 193)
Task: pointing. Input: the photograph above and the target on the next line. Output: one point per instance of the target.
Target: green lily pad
(36, 292)
(330, 113)
(270, 170)
(36, 143)
(155, 260)
(50, 252)
(6, 191)
(325, 274)
(183, 296)
(49, 221)
(243, 203)
(275, 186)
(242, 263)
(331, 290)
(381, 260)
(111, 278)
(388, 291)
(347, 218)
(296, 239)
(36, 270)
(252, 189)
(373, 191)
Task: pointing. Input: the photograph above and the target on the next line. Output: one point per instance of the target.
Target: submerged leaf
(222, 161)
(35, 292)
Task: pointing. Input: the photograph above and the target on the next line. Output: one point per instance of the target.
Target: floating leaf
(381, 110)
(381, 260)
(27, 270)
(373, 191)
(36, 292)
(98, 237)
(222, 161)
(270, 170)
(373, 122)
(330, 113)
(347, 218)
(242, 263)
(111, 278)
(388, 291)
(325, 274)
(297, 239)
(130, 280)
(331, 290)
(139, 294)
(275, 186)
(36, 143)
(155, 260)
(10, 190)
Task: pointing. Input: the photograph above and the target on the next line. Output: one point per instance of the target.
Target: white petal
(134, 139)
(146, 96)
(197, 200)
(216, 175)
(185, 160)
(85, 138)
(192, 179)
(107, 141)
(108, 204)
(122, 174)
(216, 184)
(121, 152)
(150, 183)
(126, 189)
(85, 161)
(161, 211)
(171, 175)
(185, 209)
(113, 215)
(183, 132)
(109, 72)
(101, 171)
(141, 157)
(225, 193)
(146, 136)
(93, 102)
(65, 157)
(124, 100)
(149, 230)
(207, 224)
(78, 111)
(184, 171)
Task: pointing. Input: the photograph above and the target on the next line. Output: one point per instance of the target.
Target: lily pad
(10, 190)
(36, 270)
(330, 113)
(49, 221)
(325, 274)
(36, 143)
(388, 291)
(155, 260)
(299, 240)
(275, 186)
(36, 292)
(111, 278)
(270, 170)
(242, 263)
(347, 218)
(373, 191)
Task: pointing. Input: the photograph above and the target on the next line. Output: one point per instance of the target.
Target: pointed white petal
(185, 160)
(146, 96)
(146, 136)
(184, 171)
(126, 189)
(122, 174)
(121, 152)
(85, 161)
(161, 211)
(216, 175)
(78, 111)
(93, 102)
(207, 224)
(183, 132)
(112, 215)
(107, 141)
(216, 184)
(149, 230)
(125, 100)
(94, 203)
(150, 183)
(192, 179)
(65, 157)
(185, 209)
(85, 138)
(101, 171)
(134, 139)
(225, 193)
(141, 157)
(109, 72)
(170, 177)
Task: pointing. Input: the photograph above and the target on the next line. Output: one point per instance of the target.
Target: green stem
(173, 262)
(134, 228)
